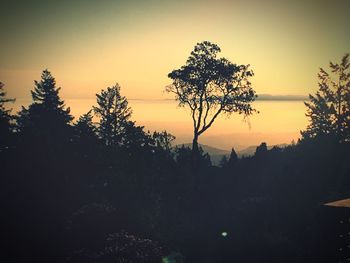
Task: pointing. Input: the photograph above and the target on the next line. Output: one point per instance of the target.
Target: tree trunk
(195, 149)
(195, 154)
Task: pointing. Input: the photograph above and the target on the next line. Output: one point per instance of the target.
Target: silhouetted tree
(229, 162)
(47, 118)
(329, 108)
(233, 157)
(85, 128)
(209, 86)
(85, 136)
(261, 149)
(5, 118)
(114, 114)
(163, 140)
(44, 156)
(134, 136)
(183, 156)
(320, 114)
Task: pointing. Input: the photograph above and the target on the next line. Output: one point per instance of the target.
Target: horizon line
(260, 97)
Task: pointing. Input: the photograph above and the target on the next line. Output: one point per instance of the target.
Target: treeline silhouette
(102, 189)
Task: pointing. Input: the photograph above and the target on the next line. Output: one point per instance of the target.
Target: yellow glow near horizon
(278, 122)
(89, 45)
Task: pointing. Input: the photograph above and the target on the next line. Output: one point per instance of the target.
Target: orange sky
(89, 45)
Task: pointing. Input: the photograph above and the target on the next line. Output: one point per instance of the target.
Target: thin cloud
(261, 97)
(269, 97)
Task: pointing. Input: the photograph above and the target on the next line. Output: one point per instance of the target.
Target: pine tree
(163, 140)
(85, 128)
(114, 114)
(261, 150)
(86, 141)
(339, 95)
(3, 100)
(134, 136)
(329, 109)
(47, 118)
(5, 118)
(320, 114)
(233, 157)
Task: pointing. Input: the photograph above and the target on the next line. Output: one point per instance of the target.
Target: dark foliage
(114, 114)
(210, 86)
(5, 119)
(111, 192)
(329, 109)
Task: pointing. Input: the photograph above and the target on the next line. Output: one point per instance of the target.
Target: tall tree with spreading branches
(210, 86)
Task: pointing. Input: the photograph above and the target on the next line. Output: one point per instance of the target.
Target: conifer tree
(47, 118)
(329, 109)
(320, 114)
(163, 140)
(86, 141)
(261, 150)
(85, 128)
(5, 118)
(134, 136)
(233, 157)
(114, 113)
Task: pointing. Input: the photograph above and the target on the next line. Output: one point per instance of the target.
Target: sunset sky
(89, 45)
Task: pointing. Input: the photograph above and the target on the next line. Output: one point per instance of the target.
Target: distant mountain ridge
(249, 151)
(216, 154)
(206, 148)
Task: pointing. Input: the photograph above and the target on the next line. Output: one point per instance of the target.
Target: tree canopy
(209, 86)
(5, 117)
(47, 117)
(114, 113)
(110, 192)
(329, 109)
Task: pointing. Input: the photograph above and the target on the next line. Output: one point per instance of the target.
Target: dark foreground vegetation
(101, 189)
